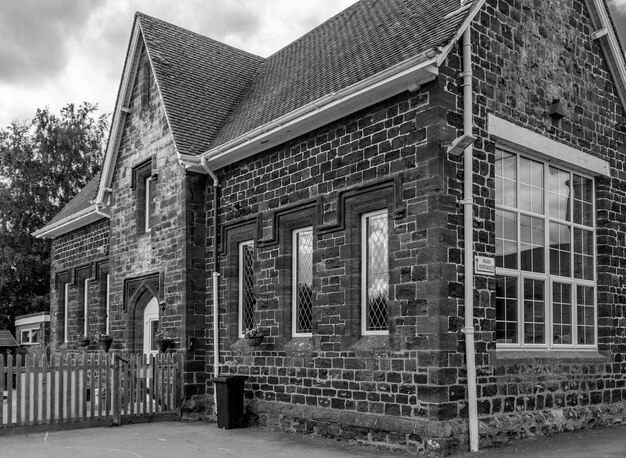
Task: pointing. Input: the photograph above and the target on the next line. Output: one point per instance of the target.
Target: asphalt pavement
(187, 440)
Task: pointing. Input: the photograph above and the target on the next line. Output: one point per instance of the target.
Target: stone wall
(75, 256)
(527, 55)
(393, 155)
(388, 156)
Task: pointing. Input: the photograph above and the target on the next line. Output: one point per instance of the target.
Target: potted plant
(105, 342)
(254, 336)
(163, 340)
(82, 341)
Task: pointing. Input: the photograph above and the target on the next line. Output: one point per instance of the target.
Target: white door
(150, 326)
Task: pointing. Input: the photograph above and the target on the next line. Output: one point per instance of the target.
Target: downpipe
(468, 236)
(216, 330)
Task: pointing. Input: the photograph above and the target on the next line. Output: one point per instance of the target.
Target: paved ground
(188, 440)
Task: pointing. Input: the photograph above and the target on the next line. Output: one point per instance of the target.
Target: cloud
(619, 5)
(35, 37)
(53, 52)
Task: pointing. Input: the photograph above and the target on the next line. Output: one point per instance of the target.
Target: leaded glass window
(246, 286)
(302, 282)
(375, 291)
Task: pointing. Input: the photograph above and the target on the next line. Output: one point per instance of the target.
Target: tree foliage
(43, 164)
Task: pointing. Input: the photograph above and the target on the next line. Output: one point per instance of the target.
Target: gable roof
(81, 201)
(200, 80)
(364, 39)
(78, 212)
(6, 339)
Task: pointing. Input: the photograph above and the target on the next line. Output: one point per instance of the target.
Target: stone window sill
(510, 357)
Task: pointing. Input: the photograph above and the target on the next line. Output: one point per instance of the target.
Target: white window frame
(147, 217)
(66, 311)
(86, 306)
(548, 278)
(249, 243)
(294, 283)
(108, 304)
(364, 256)
(29, 331)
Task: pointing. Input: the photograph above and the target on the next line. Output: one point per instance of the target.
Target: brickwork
(166, 250)
(80, 251)
(524, 58)
(389, 156)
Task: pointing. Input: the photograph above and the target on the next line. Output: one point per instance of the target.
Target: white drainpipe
(216, 330)
(468, 236)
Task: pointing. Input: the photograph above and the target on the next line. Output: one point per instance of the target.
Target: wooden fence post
(115, 394)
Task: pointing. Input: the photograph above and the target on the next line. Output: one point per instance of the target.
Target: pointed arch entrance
(142, 298)
(150, 326)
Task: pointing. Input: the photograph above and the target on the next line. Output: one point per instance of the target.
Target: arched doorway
(150, 326)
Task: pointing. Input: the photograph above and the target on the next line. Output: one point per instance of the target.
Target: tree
(43, 164)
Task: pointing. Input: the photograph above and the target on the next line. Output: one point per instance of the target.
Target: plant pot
(254, 341)
(83, 342)
(105, 344)
(163, 344)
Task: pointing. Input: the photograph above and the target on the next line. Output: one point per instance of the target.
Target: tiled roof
(81, 201)
(6, 339)
(366, 38)
(201, 80)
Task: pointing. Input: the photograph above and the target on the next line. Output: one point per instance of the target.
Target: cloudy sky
(57, 51)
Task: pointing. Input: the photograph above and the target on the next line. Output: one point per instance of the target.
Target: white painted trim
(86, 307)
(32, 320)
(549, 150)
(240, 284)
(610, 45)
(108, 303)
(119, 114)
(147, 196)
(294, 279)
(71, 223)
(66, 312)
(364, 251)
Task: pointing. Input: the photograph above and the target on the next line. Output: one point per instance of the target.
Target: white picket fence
(89, 389)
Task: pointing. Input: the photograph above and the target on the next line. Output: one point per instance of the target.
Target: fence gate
(89, 389)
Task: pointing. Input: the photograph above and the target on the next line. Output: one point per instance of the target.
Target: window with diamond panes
(375, 291)
(545, 255)
(302, 282)
(246, 286)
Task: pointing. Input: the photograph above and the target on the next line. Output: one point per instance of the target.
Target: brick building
(326, 193)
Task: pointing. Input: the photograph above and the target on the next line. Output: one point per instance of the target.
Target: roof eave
(408, 75)
(119, 114)
(79, 219)
(610, 45)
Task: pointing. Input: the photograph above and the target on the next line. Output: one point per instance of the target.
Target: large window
(85, 307)
(247, 298)
(302, 294)
(375, 273)
(545, 255)
(66, 312)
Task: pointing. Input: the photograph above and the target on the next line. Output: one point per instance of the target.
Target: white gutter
(216, 329)
(422, 65)
(79, 219)
(468, 237)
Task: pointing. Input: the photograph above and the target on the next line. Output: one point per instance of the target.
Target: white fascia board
(32, 320)
(77, 220)
(119, 115)
(610, 45)
(459, 33)
(525, 140)
(411, 73)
